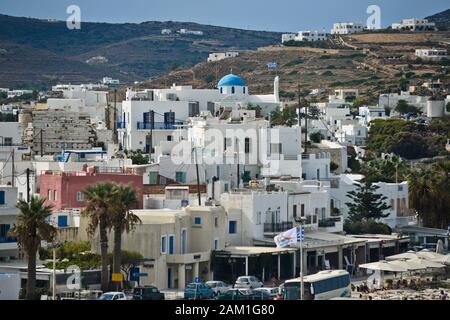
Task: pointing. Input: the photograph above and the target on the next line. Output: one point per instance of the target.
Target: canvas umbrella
(407, 255)
(443, 260)
(383, 266)
(429, 255)
(427, 263)
(410, 265)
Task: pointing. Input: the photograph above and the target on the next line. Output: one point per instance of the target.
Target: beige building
(176, 244)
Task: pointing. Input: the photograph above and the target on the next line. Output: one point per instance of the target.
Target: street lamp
(301, 221)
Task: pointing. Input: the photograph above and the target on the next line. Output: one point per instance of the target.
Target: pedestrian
(443, 295)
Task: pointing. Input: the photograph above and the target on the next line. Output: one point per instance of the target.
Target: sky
(274, 15)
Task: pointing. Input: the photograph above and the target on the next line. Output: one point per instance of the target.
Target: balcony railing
(329, 223)
(277, 227)
(120, 125)
(158, 125)
(8, 239)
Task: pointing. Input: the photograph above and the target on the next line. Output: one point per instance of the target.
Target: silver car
(248, 282)
(219, 287)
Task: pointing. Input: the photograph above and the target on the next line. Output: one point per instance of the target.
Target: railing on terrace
(8, 239)
(329, 223)
(277, 227)
(158, 125)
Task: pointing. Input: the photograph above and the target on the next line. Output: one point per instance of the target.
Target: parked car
(219, 287)
(198, 291)
(113, 296)
(260, 295)
(236, 294)
(272, 292)
(248, 282)
(147, 293)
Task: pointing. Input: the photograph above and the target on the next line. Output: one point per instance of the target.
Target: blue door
(169, 278)
(62, 221)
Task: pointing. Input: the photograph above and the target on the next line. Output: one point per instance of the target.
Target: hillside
(372, 62)
(442, 19)
(40, 53)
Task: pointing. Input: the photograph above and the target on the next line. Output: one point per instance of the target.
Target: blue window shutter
(62, 221)
(2, 197)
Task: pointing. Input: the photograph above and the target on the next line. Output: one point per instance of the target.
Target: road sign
(197, 280)
(140, 274)
(117, 277)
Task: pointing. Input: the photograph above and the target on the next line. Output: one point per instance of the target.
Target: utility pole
(198, 178)
(42, 143)
(238, 166)
(115, 116)
(28, 185)
(54, 275)
(12, 169)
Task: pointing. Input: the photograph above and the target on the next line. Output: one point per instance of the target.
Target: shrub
(316, 137)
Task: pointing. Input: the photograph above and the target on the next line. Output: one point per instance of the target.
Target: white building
(110, 81)
(217, 56)
(8, 215)
(370, 113)
(396, 194)
(414, 25)
(390, 100)
(304, 36)
(342, 94)
(258, 215)
(434, 54)
(158, 112)
(347, 28)
(18, 93)
(286, 37)
(352, 134)
(190, 32)
(311, 36)
(166, 31)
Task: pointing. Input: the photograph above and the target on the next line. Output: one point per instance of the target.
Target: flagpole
(302, 285)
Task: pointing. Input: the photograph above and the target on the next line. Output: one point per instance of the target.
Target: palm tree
(98, 210)
(122, 219)
(32, 227)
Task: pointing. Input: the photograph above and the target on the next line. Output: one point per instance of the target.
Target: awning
(383, 266)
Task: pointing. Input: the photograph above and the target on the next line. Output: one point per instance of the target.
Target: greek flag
(272, 65)
(301, 234)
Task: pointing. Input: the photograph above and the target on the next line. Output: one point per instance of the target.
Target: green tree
(429, 194)
(408, 145)
(129, 260)
(366, 203)
(122, 219)
(385, 170)
(403, 107)
(316, 137)
(32, 228)
(138, 158)
(333, 166)
(285, 117)
(98, 209)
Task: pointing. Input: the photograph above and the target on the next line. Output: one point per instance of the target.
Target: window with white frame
(164, 244)
(49, 194)
(80, 196)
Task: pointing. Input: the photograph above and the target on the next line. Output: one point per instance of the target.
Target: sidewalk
(173, 294)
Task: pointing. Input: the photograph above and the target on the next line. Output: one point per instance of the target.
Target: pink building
(63, 190)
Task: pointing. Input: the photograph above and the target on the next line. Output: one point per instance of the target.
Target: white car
(113, 296)
(248, 282)
(219, 287)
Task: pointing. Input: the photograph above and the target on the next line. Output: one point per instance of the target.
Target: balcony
(8, 243)
(333, 224)
(121, 125)
(278, 227)
(8, 240)
(158, 125)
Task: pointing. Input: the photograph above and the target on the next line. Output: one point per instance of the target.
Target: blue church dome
(231, 80)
